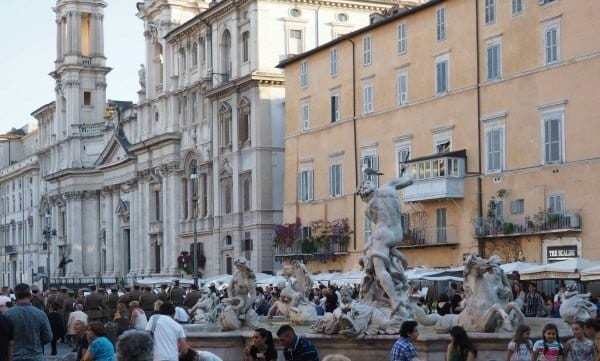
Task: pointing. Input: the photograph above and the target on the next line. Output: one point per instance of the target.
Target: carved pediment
(115, 152)
(123, 210)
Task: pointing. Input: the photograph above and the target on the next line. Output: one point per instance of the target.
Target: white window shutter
(310, 185)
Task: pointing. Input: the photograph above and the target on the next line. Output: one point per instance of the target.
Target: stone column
(138, 237)
(108, 218)
(69, 37)
(77, 31)
(117, 241)
(92, 36)
(59, 36)
(172, 195)
(74, 235)
(100, 35)
(145, 224)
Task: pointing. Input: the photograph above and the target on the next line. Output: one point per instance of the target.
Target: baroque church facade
(125, 189)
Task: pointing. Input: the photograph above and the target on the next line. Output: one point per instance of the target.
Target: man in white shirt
(168, 335)
(181, 315)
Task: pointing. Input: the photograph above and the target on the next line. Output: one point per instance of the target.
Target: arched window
(246, 187)
(225, 56)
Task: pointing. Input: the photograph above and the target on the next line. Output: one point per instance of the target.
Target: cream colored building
(493, 103)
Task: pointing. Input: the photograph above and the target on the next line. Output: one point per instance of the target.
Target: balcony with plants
(541, 222)
(319, 240)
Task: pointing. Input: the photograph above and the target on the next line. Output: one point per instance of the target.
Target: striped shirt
(303, 351)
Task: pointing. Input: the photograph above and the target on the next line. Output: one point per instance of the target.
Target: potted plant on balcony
(320, 236)
(286, 234)
(340, 232)
(185, 262)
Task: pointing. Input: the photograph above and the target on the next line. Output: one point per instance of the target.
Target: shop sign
(561, 253)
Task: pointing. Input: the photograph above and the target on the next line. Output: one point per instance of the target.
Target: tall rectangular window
(333, 62)
(494, 142)
(555, 204)
(245, 46)
(335, 180)
(441, 76)
(370, 161)
(402, 48)
(87, 98)
(402, 88)
(295, 42)
(367, 50)
(440, 225)
(402, 155)
(551, 44)
(494, 68)
(440, 16)
(335, 108)
(305, 186)
(516, 7)
(553, 139)
(304, 74)
(305, 116)
(368, 98)
(490, 12)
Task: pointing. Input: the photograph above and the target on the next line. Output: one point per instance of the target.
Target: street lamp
(48, 232)
(194, 178)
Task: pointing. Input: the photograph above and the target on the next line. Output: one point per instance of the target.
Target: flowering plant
(185, 262)
(340, 231)
(287, 233)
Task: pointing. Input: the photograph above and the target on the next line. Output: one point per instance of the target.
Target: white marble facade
(115, 177)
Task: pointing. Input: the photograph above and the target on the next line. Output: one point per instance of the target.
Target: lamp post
(194, 178)
(48, 233)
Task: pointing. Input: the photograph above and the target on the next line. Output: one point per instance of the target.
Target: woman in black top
(262, 348)
(57, 325)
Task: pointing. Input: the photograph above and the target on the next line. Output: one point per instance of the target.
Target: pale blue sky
(28, 51)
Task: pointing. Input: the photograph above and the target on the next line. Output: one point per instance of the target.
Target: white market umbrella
(590, 274)
(567, 269)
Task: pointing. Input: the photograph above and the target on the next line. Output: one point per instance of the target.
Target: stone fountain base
(431, 345)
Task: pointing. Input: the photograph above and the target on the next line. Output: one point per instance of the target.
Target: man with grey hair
(134, 345)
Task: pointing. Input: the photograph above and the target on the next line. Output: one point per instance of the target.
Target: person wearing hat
(163, 295)
(36, 299)
(135, 294)
(52, 295)
(147, 300)
(93, 305)
(192, 297)
(125, 298)
(111, 302)
(68, 308)
(177, 294)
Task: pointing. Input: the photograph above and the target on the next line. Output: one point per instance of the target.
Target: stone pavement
(62, 351)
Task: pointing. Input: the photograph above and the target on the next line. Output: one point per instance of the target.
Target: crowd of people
(126, 324)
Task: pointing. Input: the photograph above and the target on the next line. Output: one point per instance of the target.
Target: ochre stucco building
(492, 103)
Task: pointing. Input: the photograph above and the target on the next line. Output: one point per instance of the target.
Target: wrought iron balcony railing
(307, 250)
(537, 223)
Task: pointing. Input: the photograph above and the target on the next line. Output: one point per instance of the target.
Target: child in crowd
(549, 347)
(520, 348)
(579, 348)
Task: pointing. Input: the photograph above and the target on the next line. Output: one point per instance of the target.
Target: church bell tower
(80, 74)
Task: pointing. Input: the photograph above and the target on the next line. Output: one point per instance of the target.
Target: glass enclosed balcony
(437, 176)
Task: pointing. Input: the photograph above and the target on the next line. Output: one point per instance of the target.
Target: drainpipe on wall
(479, 155)
(354, 137)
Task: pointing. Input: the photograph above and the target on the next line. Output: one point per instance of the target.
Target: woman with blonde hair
(138, 319)
(121, 318)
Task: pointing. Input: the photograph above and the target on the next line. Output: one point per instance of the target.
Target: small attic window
(87, 98)
(342, 18)
(295, 12)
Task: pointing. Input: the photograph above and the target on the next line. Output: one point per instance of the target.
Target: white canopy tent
(567, 269)
(590, 274)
